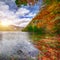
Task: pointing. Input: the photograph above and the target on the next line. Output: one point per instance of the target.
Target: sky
(21, 16)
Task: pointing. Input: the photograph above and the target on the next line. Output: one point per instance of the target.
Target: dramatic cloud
(19, 17)
(6, 14)
(31, 15)
(22, 11)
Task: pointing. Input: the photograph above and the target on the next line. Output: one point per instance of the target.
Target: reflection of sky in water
(13, 42)
(9, 11)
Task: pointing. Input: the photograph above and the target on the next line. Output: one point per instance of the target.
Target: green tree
(25, 2)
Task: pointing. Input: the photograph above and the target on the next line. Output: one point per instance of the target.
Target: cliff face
(48, 16)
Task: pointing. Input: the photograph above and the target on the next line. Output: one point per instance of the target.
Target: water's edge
(17, 44)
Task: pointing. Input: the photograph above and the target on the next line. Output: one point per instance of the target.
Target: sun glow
(5, 23)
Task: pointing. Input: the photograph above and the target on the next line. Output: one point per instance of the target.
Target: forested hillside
(45, 28)
(47, 19)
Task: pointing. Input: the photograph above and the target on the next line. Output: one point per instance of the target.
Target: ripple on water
(16, 44)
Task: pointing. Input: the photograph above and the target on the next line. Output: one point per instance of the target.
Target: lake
(17, 45)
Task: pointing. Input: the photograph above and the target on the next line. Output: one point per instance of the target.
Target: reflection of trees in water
(35, 37)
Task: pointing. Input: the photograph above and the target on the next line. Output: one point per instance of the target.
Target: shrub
(30, 28)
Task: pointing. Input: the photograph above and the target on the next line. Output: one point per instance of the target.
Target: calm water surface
(17, 45)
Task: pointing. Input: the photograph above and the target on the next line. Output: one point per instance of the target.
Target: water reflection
(17, 45)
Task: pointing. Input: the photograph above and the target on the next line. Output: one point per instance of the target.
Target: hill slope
(48, 18)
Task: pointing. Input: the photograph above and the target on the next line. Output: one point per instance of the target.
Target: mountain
(48, 18)
(10, 28)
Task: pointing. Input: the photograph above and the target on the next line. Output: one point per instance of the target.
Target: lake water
(17, 45)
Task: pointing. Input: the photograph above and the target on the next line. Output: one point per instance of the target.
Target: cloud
(3, 6)
(22, 11)
(22, 22)
(6, 14)
(13, 17)
(31, 15)
(20, 17)
(7, 1)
